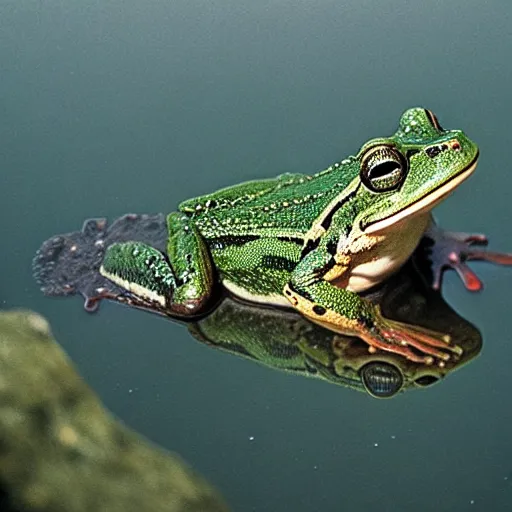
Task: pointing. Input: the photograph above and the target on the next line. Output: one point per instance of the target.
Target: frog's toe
(464, 238)
(474, 238)
(434, 347)
(393, 346)
(469, 278)
(416, 343)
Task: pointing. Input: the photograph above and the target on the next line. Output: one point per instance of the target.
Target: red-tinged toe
(469, 278)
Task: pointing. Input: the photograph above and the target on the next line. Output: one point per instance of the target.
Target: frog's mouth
(425, 204)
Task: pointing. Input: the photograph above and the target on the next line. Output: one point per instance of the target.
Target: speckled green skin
(292, 235)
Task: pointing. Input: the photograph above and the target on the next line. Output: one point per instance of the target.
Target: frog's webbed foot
(416, 343)
(445, 249)
(343, 311)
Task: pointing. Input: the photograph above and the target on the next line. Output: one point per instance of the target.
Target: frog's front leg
(346, 312)
(446, 249)
(181, 284)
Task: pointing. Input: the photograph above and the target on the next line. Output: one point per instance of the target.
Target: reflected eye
(383, 168)
(381, 379)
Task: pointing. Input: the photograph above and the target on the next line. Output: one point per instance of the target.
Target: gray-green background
(110, 106)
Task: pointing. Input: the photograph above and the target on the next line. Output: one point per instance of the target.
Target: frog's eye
(381, 379)
(383, 168)
(433, 120)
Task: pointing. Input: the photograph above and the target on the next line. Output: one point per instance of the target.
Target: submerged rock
(60, 450)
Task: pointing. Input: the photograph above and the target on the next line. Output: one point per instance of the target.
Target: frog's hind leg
(192, 264)
(180, 286)
(140, 269)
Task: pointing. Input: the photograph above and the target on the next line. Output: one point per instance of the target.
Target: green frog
(311, 242)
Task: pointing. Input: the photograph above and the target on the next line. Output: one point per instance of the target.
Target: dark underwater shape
(69, 264)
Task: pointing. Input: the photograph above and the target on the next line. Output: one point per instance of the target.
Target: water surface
(110, 107)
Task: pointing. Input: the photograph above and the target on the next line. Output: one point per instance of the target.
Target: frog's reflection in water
(284, 340)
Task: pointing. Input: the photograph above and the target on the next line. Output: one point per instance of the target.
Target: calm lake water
(129, 106)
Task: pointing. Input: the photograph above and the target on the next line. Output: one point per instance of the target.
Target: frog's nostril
(455, 145)
(427, 380)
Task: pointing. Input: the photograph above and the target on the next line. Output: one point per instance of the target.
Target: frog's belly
(272, 299)
(374, 266)
(367, 269)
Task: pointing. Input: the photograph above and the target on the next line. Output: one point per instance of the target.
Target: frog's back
(283, 206)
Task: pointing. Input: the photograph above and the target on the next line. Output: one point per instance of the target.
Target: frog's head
(411, 171)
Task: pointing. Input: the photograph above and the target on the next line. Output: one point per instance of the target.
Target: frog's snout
(458, 148)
